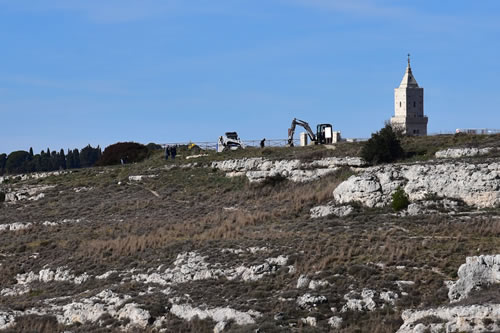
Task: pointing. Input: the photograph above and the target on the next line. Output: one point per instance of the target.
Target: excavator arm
(305, 125)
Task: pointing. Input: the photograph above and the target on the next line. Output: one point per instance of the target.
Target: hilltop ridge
(274, 239)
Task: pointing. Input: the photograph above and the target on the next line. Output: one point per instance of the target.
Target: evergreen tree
(382, 147)
(31, 152)
(17, 162)
(62, 160)
(3, 161)
(76, 157)
(54, 161)
(89, 156)
(70, 160)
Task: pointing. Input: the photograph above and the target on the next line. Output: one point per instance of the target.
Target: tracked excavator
(323, 134)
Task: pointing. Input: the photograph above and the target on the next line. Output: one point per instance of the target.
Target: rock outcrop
(259, 169)
(476, 272)
(472, 318)
(308, 301)
(218, 315)
(31, 193)
(326, 210)
(190, 266)
(476, 184)
(27, 176)
(462, 152)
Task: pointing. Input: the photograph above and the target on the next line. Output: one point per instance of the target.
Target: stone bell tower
(409, 106)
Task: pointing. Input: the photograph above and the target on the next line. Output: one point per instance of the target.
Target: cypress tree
(70, 160)
(76, 156)
(62, 160)
(3, 160)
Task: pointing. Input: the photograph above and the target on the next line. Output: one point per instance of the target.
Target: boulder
(476, 272)
(307, 301)
(326, 210)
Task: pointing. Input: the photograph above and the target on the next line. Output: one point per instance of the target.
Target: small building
(409, 106)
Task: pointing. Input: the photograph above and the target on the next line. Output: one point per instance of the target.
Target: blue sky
(74, 72)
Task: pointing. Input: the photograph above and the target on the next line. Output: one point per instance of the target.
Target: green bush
(400, 200)
(382, 147)
(128, 152)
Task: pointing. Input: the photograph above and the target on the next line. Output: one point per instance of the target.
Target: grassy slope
(126, 226)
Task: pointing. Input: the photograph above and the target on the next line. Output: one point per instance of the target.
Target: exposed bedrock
(258, 169)
(476, 184)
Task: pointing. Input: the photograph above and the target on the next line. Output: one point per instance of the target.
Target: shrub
(153, 146)
(17, 162)
(399, 200)
(382, 147)
(129, 152)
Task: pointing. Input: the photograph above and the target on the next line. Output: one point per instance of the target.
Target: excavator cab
(324, 134)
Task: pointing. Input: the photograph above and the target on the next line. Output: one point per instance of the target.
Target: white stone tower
(409, 106)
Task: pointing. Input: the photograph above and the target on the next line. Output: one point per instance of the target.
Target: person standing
(262, 143)
(173, 152)
(167, 152)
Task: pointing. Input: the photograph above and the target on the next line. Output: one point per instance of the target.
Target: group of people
(170, 151)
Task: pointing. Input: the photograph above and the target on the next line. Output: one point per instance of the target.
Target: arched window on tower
(400, 104)
(414, 104)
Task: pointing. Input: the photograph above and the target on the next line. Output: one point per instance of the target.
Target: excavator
(323, 132)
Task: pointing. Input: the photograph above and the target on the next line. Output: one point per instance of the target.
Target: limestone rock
(311, 321)
(48, 275)
(191, 266)
(326, 210)
(30, 193)
(476, 271)
(7, 319)
(259, 169)
(359, 302)
(317, 284)
(462, 152)
(303, 281)
(335, 322)
(219, 314)
(139, 178)
(35, 175)
(137, 316)
(15, 226)
(90, 309)
(221, 325)
(471, 318)
(307, 301)
(476, 184)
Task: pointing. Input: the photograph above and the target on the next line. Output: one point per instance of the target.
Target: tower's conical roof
(408, 79)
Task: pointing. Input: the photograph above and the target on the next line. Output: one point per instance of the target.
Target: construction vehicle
(324, 133)
(229, 141)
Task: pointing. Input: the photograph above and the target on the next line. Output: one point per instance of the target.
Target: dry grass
(199, 209)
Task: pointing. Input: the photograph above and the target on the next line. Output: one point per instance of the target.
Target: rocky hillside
(272, 240)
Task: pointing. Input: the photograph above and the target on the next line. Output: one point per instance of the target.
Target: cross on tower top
(408, 59)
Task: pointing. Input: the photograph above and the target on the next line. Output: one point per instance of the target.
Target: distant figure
(173, 152)
(121, 161)
(262, 143)
(167, 152)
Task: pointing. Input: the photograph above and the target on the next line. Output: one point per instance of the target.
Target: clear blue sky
(74, 72)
